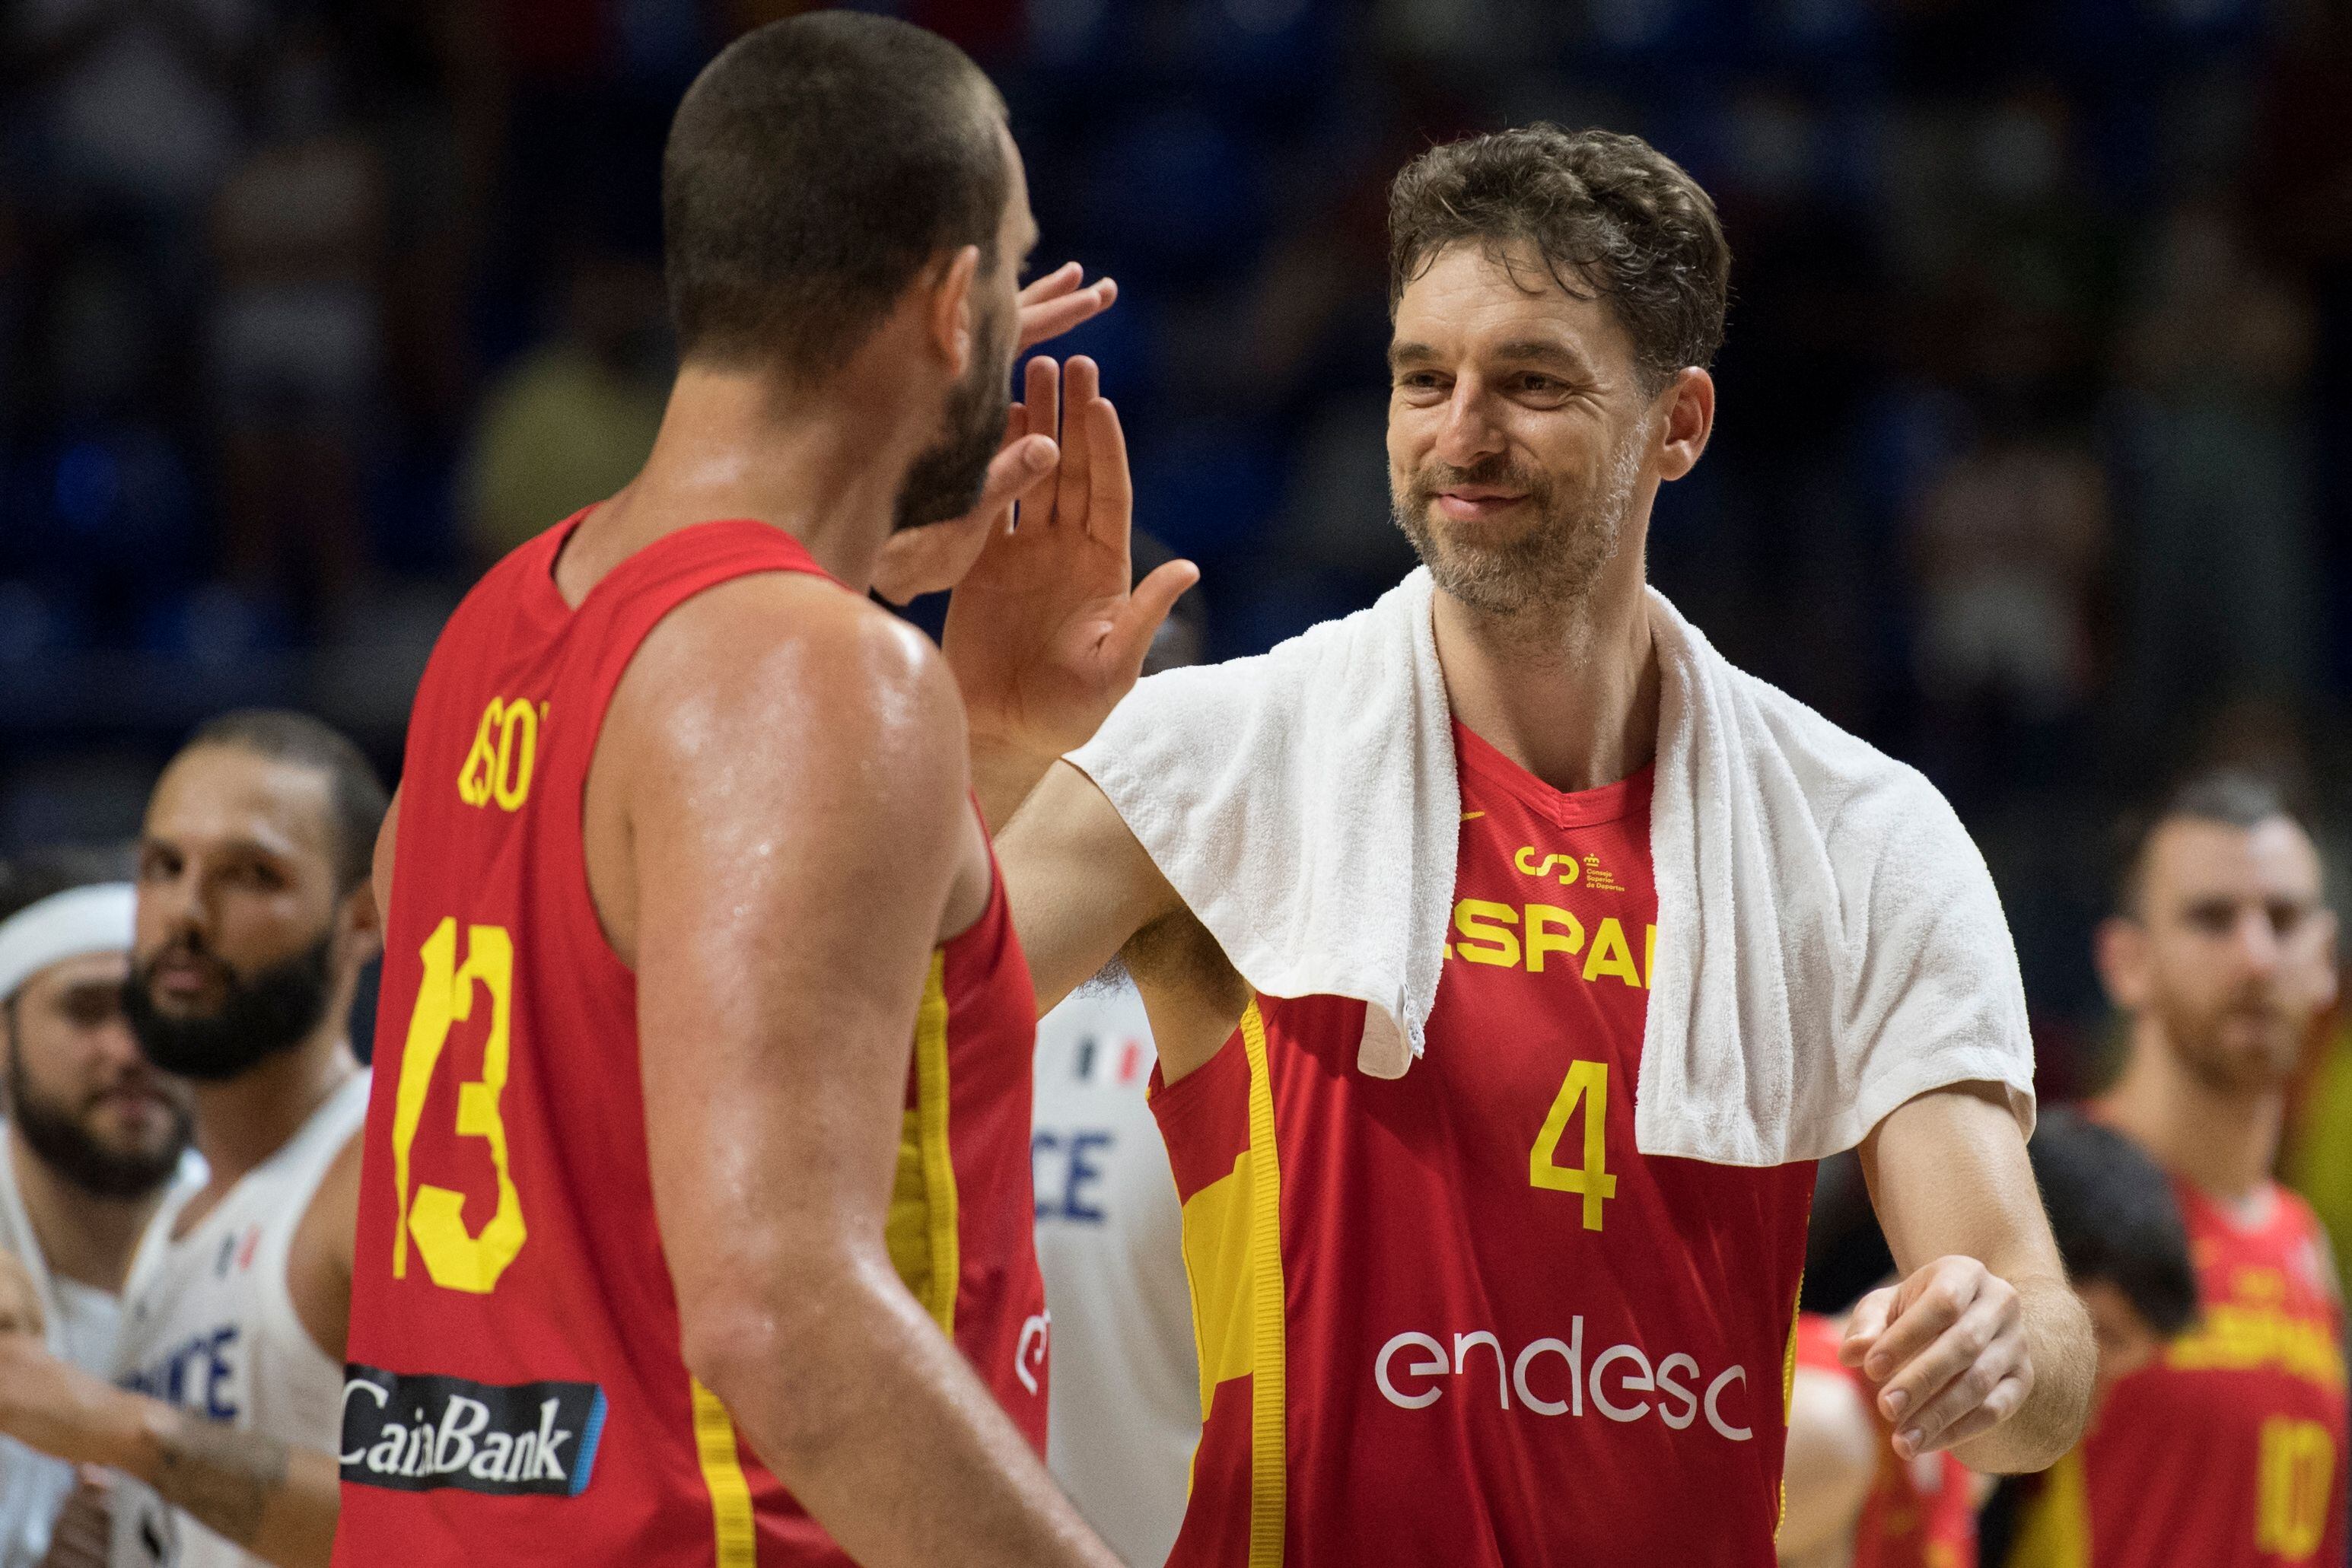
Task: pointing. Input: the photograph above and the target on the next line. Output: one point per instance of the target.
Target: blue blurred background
(2031, 464)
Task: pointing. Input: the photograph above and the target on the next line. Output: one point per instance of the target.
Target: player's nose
(1469, 432)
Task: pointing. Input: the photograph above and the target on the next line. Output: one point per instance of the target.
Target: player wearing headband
(93, 1137)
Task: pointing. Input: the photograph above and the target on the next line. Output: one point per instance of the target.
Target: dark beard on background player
(263, 1015)
(945, 481)
(57, 1136)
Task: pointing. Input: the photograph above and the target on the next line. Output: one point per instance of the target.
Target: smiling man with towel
(1512, 957)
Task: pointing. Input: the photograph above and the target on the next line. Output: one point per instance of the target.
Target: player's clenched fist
(1947, 1348)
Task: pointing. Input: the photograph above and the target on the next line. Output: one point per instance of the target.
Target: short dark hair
(357, 800)
(812, 172)
(45, 873)
(1609, 213)
(2116, 1219)
(2233, 796)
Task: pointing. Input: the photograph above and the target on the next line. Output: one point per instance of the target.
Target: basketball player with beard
(1450, 1306)
(695, 1219)
(94, 1137)
(2228, 1450)
(253, 919)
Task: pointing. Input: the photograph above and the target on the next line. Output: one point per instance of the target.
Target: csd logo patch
(421, 1433)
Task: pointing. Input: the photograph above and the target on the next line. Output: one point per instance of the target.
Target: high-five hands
(1947, 1348)
(927, 559)
(1043, 633)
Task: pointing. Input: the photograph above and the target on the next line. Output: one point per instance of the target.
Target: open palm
(1043, 632)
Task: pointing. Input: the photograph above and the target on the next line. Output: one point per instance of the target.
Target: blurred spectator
(2007, 546)
(2220, 578)
(139, 97)
(572, 422)
(298, 235)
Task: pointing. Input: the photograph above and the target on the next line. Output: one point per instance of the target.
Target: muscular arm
(1831, 1457)
(1982, 1347)
(1083, 891)
(794, 835)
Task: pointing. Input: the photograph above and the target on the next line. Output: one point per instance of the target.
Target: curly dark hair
(1609, 214)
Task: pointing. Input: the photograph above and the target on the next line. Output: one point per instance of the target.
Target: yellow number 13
(1587, 1082)
(456, 1259)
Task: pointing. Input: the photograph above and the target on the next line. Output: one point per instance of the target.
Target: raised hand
(917, 561)
(1052, 305)
(1043, 633)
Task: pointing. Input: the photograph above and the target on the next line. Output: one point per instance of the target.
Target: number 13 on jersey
(1587, 1085)
(456, 1257)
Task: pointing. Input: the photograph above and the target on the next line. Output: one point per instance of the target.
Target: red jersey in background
(2228, 1450)
(1456, 1317)
(1921, 1512)
(517, 1393)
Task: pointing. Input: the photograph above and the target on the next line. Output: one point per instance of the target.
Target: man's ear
(359, 922)
(950, 313)
(1690, 420)
(2120, 950)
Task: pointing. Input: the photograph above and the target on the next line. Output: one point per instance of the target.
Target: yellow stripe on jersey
(1232, 1261)
(1788, 1386)
(921, 1231)
(723, 1472)
(1269, 1427)
(2057, 1525)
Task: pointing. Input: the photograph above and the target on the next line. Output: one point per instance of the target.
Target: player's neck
(826, 470)
(242, 1121)
(1572, 697)
(2223, 1142)
(84, 1237)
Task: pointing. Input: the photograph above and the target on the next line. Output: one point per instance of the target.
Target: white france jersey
(81, 1329)
(1124, 1405)
(208, 1326)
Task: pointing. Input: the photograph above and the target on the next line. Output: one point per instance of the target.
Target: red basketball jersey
(517, 1391)
(1456, 1317)
(1919, 1512)
(2229, 1452)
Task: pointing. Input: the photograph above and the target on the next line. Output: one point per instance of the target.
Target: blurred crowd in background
(2032, 462)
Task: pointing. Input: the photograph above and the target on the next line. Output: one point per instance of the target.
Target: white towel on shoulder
(1830, 943)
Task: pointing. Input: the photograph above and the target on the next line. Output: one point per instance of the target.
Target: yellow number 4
(1588, 1083)
(456, 1257)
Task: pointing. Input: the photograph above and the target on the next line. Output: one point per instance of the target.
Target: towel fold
(1830, 944)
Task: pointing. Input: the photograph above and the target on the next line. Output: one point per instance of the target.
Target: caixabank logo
(418, 1433)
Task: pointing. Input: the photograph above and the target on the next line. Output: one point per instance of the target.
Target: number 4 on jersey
(1586, 1083)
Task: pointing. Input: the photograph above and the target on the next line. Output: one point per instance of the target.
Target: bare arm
(1982, 1347)
(1083, 891)
(1079, 885)
(794, 835)
(1832, 1459)
(277, 1501)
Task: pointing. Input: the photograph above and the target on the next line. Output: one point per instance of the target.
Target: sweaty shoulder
(774, 704)
(786, 655)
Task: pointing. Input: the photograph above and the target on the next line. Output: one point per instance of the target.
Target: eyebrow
(1539, 351)
(1517, 351)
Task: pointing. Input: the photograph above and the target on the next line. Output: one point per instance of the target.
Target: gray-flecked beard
(1549, 568)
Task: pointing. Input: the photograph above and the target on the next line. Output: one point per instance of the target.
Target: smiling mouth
(1472, 504)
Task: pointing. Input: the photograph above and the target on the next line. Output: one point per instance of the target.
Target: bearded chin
(946, 480)
(265, 1015)
(1551, 566)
